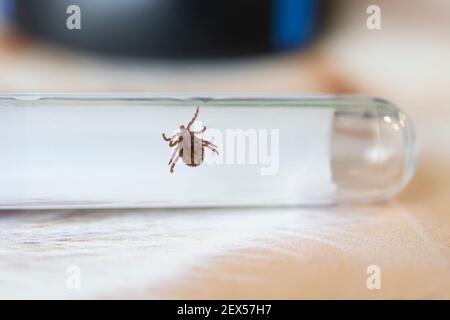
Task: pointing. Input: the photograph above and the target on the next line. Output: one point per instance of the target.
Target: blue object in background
(173, 28)
(294, 23)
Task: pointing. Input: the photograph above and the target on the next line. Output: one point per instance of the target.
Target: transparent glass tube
(109, 152)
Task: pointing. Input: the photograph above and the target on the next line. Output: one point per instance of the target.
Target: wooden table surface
(254, 253)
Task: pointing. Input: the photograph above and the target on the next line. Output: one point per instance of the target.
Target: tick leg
(177, 149)
(171, 138)
(174, 162)
(198, 132)
(193, 120)
(173, 143)
(207, 143)
(210, 146)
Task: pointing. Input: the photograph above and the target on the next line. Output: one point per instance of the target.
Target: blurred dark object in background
(173, 28)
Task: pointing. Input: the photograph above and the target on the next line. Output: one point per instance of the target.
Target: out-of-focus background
(270, 47)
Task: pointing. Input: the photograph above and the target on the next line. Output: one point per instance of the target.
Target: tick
(188, 146)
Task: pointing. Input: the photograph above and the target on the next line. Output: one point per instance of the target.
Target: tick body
(188, 146)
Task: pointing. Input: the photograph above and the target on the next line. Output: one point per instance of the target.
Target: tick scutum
(192, 149)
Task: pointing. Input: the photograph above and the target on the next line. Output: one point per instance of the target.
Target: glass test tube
(109, 152)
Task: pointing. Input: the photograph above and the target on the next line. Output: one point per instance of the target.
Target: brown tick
(188, 146)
